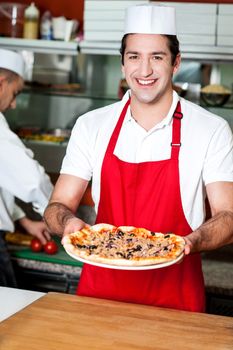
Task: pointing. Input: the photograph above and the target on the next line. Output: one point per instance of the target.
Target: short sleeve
(77, 160)
(218, 164)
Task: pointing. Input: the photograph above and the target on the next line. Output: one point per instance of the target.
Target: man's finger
(47, 235)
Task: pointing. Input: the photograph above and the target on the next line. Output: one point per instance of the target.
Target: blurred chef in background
(21, 176)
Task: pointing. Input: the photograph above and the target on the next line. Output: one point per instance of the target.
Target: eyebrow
(151, 53)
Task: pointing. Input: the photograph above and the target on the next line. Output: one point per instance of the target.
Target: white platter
(134, 268)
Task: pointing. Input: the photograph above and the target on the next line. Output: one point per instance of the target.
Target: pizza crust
(100, 227)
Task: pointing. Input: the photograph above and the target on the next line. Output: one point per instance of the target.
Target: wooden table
(61, 321)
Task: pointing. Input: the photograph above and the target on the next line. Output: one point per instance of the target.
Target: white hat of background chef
(150, 19)
(12, 61)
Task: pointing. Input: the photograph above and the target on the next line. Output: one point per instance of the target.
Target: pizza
(123, 246)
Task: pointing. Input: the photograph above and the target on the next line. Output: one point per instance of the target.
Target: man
(21, 176)
(153, 157)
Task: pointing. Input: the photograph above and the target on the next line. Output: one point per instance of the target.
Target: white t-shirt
(20, 176)
(206, 154)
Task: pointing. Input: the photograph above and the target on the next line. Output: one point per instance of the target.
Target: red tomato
(36, 245)
(50, 247)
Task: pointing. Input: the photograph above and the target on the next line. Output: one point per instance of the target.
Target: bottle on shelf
(31, 22)
(46, 26)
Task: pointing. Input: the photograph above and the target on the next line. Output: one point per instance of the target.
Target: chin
(146, 99)
(144, 96)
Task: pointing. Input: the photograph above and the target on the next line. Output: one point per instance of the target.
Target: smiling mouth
(146, 82)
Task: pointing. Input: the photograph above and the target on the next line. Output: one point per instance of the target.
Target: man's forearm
(56, 216)
(214, 233)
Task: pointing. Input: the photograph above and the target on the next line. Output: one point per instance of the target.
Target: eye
(133, 57)
(157, 58)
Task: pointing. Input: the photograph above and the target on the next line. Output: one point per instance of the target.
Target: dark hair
(173, 45)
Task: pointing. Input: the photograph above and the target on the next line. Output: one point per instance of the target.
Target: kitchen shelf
(199, 53)
(100, 47)
(207, 53)
(41, 46)
(82, 93)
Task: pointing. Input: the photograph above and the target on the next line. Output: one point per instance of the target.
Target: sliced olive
(92, 246)
(120, 254)
(120, 233)
(81, 246)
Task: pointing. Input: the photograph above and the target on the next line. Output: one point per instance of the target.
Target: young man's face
(8, 92)
(148, 67)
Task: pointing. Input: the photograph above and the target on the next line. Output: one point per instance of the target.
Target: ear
(177, 63)
(123, 71)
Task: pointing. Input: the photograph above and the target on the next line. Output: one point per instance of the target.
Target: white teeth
(146, 82)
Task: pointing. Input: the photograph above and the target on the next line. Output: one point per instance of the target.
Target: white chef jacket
(206, 153)
(20, 176)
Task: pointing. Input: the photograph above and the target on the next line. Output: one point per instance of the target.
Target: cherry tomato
(50, 247)
(36, 245)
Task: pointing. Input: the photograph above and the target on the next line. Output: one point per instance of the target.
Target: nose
(146, 68)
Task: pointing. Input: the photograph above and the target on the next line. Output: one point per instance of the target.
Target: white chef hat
(12, 61)
(150, 19)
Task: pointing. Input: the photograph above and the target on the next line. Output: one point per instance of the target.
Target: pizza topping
(123, 246)
(115, 243)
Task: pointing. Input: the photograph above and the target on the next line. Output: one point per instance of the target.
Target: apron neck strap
(176, 127)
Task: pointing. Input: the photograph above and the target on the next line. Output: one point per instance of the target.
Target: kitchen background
(68, 77)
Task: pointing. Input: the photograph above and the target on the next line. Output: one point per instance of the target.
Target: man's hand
(189, 244)
(74, 224)
(193, 242)
(37, 229)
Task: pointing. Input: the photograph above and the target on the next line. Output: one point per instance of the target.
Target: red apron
(146, 195)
